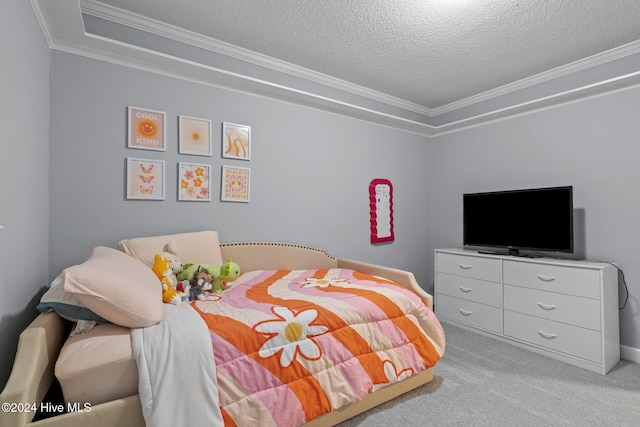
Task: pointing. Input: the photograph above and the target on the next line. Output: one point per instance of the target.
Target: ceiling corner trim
(59, 20)
(42, 21)
(64, 30)
(617, 84)
(72, 39)
(547, 76)
(170, 32)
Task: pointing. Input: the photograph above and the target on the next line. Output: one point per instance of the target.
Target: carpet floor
(482, 381)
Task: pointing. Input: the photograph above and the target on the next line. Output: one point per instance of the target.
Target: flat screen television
(536, 219)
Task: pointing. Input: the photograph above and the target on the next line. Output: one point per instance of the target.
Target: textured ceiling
(428, 52)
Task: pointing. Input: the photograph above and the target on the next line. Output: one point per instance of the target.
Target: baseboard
(631, 354)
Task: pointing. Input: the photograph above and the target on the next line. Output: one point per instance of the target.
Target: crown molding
(574, 67)
(142, 23)
(605, 87)
(61, 22)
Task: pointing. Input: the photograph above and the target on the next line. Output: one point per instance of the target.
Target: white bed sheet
(177, 373)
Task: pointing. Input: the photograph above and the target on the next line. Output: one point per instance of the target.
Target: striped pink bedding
(290, 346)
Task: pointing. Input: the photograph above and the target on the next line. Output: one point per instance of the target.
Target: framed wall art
(381, 210)
(194, 136)
(145, 179)
(236, 141)
(194, 182)
(235, 184)
(145, 129)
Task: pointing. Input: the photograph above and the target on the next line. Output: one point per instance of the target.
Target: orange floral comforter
(292, 345)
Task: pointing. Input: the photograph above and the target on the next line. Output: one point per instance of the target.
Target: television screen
(535, 219)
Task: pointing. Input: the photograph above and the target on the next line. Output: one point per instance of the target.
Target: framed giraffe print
(145, 179)
(235, 184)
(236, 141)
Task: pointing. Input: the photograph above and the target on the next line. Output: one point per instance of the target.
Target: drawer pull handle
(546, 278)
(465, 313)
(546, 306)
(547, 335)
(465, 290)
(465, 266)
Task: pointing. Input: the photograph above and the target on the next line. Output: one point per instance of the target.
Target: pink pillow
(117, 287)
(200, 247)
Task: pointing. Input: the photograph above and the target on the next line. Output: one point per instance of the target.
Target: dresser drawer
(578, 311)
(573, 340)
(469, 266)
(554, 278)
(475, 290)
(476, 315)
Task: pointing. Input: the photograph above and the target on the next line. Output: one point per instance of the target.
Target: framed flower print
(194, 182)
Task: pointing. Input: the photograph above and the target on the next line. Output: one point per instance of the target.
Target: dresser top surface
(538, 260)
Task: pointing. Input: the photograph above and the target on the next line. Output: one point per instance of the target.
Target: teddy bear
(162, 268)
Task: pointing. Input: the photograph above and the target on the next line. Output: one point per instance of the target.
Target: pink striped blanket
(290, 346)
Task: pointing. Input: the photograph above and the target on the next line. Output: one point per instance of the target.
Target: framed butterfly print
(235, 184)
(146, 129)
(145, 179)
(194, 182)
(194, 136)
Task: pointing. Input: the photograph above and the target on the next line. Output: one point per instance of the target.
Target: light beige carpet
(486, 382)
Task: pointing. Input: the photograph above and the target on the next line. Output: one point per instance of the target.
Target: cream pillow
(200, 247)
(117, 287)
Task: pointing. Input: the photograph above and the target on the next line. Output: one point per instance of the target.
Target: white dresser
(562, 308)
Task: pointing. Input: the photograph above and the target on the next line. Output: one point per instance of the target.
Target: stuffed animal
(200, 285)
(170, 295)
(229, 271)
(162, 268)
(220, 275)
(176, 267)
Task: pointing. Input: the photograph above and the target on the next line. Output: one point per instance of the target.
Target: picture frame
(146, 129)
(194, 136)
(145, 179)
(381, 210)
(236, 141)
(194, 182)
(235, 186)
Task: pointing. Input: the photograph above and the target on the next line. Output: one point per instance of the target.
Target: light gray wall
(24, 172)
(592, 145)
(310, 170)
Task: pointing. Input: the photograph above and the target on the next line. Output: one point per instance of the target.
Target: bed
(349, 362)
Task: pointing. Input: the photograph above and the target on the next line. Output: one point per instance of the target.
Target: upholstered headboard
(252, 256)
